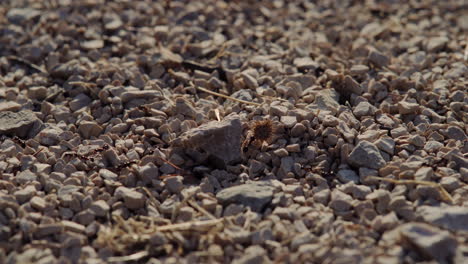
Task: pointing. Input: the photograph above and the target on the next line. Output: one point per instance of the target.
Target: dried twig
(27, 63)
(132, 257)
(191, 226)
(201, 209)
(443, 193)
(224, 96)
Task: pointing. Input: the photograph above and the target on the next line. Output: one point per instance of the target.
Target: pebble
(24, 195)
(25, 177)
(132, 199)
(378, 59)
(327, 100)
(38, 203)
(346, 176)
(436, 44)
(9, 106)
(89, 129)
(22, 15)
(100, 208)
(340, 201)
(424, 174)
(429, 241)
(386, 144)
(452, 218)
(366, 154)
(255, 195)
(79, 102)
(174, 184)
(220, 139)
(358, 69)
(352, 86)
(364, 109)
(432, 146)
(93, 44)
(24, 124)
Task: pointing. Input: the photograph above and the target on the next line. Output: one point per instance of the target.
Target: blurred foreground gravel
(130, 131)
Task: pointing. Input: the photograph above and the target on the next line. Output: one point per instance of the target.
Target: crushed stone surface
(129, 131)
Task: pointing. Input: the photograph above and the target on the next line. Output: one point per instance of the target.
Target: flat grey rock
(429, 241)
(20, 15)
(24, 124)
(366, 154)
(221, 140)
(255, 195)
(454, 218)
(327, 100)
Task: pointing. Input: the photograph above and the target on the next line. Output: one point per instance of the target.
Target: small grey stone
(358, 69)
(185, 108)
(24, 124)
(111, 158)
(450, 183)
(322, 196)
(386, 144)
(49, 136)
(148, 172)
(305, 64)
(221, 140)
(26, 176)
(366, 154)
(417, 140)
(278, 110)
(38, 203)
(432, 146)
(99, 208)
(298, 130)
(454, 132)
(453, 218)
(108, 175)
(357, 191)
(25, 194)
(252, 255)
(287, 164)
(340, 201)
(382, 223)
(48, 229)
(302, 239)
(352, 86)
(255, 195)
(92, 44)
(424, 174)
(137, 94)
(288, 121)
(174, 184)
(113, 24)
(408, 108)
(90, 129)
(9, 106)
(378, 59)
(38, 92)
(79, 102)
(346, 176)
(364, 109)
(249, 81)
(436, 43)
(21, 15)
(327, 100)
(132, 199)
(429, 241)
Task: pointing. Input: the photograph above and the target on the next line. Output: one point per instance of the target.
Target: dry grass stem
(443, 193)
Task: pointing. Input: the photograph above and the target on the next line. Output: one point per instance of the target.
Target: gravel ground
(233, 131)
